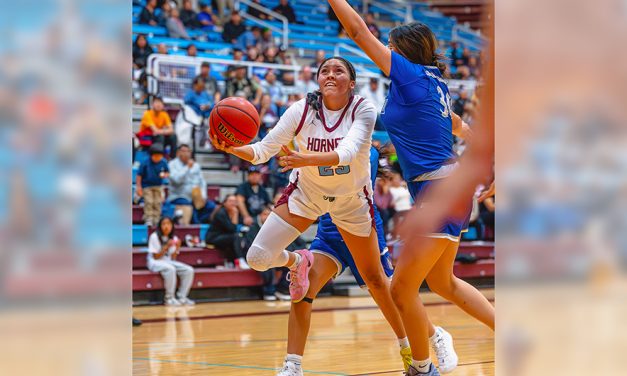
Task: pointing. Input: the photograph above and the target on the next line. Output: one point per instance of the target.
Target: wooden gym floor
(348, 336)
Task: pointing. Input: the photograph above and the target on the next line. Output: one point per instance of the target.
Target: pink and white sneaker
(299, 277)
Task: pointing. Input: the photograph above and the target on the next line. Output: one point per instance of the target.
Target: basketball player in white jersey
(332, 129)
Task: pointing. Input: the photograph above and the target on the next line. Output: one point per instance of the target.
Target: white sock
(296, 261)
(403, 342)
(296, 359)
(422, 366)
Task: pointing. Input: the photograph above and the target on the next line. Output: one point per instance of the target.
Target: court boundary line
(207, 364)
(396, 371)
(273, 313)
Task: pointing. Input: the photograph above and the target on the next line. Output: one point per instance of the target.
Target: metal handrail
(284, 33)
(407, 15)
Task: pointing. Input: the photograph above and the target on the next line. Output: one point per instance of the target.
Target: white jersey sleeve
(359, 135)
(282, 134)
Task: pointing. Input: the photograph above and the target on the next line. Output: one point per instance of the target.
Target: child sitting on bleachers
(163, 248)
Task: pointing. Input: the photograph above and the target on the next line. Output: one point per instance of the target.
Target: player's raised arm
(358, 31)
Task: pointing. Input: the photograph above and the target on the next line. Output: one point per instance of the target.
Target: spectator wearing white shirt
(163, 249)
(306, 84)
(275, 88)
(187, 189)
(374, 93)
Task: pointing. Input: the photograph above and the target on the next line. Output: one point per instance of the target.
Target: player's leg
(443, 282)
(412, 267)
(365, 252)
(300, 314)
(269, 248)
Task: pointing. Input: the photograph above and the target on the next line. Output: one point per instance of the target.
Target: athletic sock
(403, 342)
(296, 359)
(423, 366)
(296, 261)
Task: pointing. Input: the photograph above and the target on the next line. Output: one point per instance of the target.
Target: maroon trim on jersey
(302, 119)
(287, 192)
(372, 221)
(324, 123)
(355, 108)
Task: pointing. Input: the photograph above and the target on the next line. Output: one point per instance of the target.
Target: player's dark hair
(416, 42)
(315, 99)
(163, 237)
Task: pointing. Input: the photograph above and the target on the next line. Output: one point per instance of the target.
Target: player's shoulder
(363, 103)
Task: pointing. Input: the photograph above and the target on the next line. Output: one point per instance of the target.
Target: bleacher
(475, 258)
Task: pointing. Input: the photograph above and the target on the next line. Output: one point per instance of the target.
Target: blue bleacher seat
(140, 235)
(150, 30)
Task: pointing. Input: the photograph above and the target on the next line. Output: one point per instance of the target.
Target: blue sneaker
(412, 371)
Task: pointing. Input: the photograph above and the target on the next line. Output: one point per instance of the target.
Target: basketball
(235, 121)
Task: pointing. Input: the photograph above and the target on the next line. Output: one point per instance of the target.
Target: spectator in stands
(149, 183)
(163, 13)
(147, 16)
(268, 114)
(192, 50)
(284, 8)
(198, 99)
(465, 56)
(206, 19)
(252, 196)
(242, 86)
(175, 26)
(275, 88)
(162, 49)
(249, 38)
(238, 55)
(254, 12)
(226, 221)
(455, 53)
(372, 26)
(211, 84)
(320, 56)
(401, 199)
(305, 83)
(460, 102)
(163, 249)
(486, 217)
(189, 15)
(270, 55)
(187, 189)
(463, 73)
(140, 93)
(383, 200)
(157, 126)
(141, 51)
(474, 67)
(234, 28)
(266, 40)
(288, 78)
(252, 53)
(374, 93)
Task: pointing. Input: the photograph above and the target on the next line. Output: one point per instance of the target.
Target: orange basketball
(235, 121)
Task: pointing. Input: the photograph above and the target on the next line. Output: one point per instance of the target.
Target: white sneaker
(442, 346)
(241, 262)
(269, 298)
(290, 369)
(283, 297)
(172, 302)
(186, 301)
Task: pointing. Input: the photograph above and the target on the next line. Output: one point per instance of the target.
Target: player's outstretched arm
(358, 31)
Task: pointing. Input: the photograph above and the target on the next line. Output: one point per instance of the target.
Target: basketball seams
(231, 127)
(240, 110)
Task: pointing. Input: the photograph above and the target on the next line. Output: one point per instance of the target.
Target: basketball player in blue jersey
(418, 118)
(331, 258)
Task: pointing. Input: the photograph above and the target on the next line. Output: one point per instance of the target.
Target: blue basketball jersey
(417, 116)
(327, 230)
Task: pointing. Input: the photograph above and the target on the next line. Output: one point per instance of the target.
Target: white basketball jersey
(347, 131)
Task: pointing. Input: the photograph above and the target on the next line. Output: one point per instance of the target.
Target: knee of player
(375, 281)
(258, 259)
(442, 288)
(398, 294)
